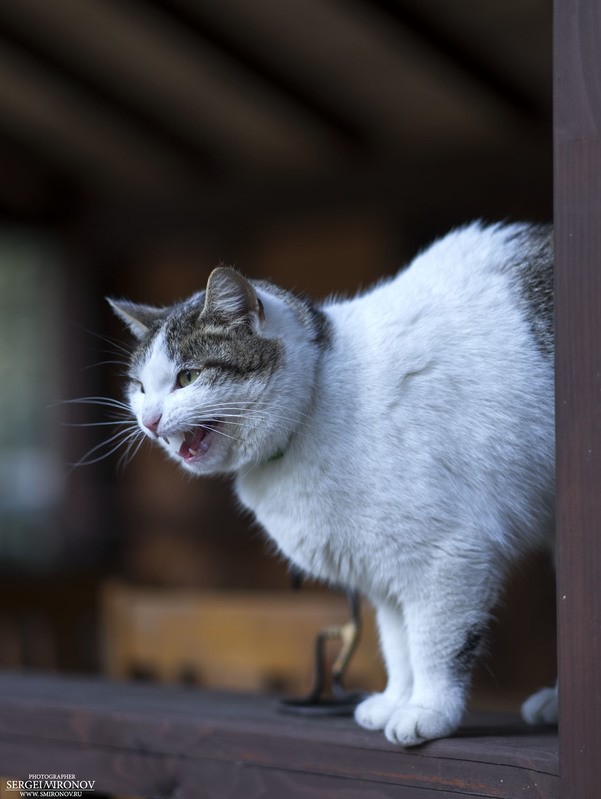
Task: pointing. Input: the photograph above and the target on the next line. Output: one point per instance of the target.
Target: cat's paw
(373, 713)
(541, 707)
(412, 724)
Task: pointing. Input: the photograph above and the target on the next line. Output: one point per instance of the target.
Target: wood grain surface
(157, 741)
(578, 320)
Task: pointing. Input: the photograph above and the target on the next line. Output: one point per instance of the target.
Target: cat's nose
(152, 423)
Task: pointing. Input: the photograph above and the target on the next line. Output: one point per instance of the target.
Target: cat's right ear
(138, 318)
(230, 294)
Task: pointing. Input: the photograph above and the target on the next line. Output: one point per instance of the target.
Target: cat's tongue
(193, 442)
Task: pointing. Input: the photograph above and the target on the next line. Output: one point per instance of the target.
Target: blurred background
(316, 143)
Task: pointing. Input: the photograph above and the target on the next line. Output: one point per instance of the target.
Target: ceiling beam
(196, 89)
(109, 98)
(463, 56)
(275, 76)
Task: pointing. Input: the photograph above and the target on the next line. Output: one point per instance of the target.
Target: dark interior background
(317, 143)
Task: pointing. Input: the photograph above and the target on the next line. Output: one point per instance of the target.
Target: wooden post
(577, 148)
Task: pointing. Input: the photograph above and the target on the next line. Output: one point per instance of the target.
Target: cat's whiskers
(262, 406)
(127, 456)
(121, 437)
(114, 362)
(130, 435)
(245, 412)
(118, 345)
(245, 418)
(210, 429)
(98, 424)
(271, 404)
(108, 402)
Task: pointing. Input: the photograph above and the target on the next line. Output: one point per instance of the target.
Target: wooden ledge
(182, 743)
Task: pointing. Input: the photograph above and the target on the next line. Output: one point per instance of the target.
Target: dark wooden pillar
(577, 126)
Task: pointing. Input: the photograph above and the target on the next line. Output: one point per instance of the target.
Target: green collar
(276, 456)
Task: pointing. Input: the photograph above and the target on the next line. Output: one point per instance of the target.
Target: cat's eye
(187, 376)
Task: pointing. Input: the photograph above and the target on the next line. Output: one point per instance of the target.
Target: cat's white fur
(418, 461)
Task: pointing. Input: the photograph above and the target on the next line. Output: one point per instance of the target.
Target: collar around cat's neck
(279, 453)
(276, 456)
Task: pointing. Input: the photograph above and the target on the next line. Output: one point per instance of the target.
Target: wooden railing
(181, 743)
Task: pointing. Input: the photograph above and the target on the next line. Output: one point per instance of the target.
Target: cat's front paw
(412, 724)
(373, 713)
(541, 707)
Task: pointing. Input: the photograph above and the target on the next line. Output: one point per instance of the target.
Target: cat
(400, 443)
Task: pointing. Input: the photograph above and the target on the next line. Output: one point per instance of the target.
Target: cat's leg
(445, 633)
(373, 713)
(541, 707)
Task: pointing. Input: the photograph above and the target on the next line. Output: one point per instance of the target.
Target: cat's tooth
(193, 452)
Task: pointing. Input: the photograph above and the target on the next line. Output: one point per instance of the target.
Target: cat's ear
(230, 294)
(138, 318)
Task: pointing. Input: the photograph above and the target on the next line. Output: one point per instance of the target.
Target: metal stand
(328, 697)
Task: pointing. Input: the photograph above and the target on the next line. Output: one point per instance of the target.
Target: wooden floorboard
(182, 743)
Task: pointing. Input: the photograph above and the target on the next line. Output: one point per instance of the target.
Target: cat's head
(217, 380)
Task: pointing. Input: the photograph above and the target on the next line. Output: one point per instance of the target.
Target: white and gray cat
(400, 443)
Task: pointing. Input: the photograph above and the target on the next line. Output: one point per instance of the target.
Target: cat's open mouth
(197, 441)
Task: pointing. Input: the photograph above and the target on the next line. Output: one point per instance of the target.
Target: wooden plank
(578, 291)
(150, 740)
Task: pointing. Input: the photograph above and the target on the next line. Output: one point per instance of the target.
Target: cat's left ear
(230, 294)
(138, 318)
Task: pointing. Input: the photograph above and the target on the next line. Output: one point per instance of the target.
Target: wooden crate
(242, 640)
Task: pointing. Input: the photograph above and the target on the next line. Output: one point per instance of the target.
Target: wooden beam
(578, 317)
(379, 77)
(51, 116)
(461, 55)
(149, 740)
(249, 54)
(196, 88)
(113, 97)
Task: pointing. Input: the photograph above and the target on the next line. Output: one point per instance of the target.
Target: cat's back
(454, 354)
(476, 283)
